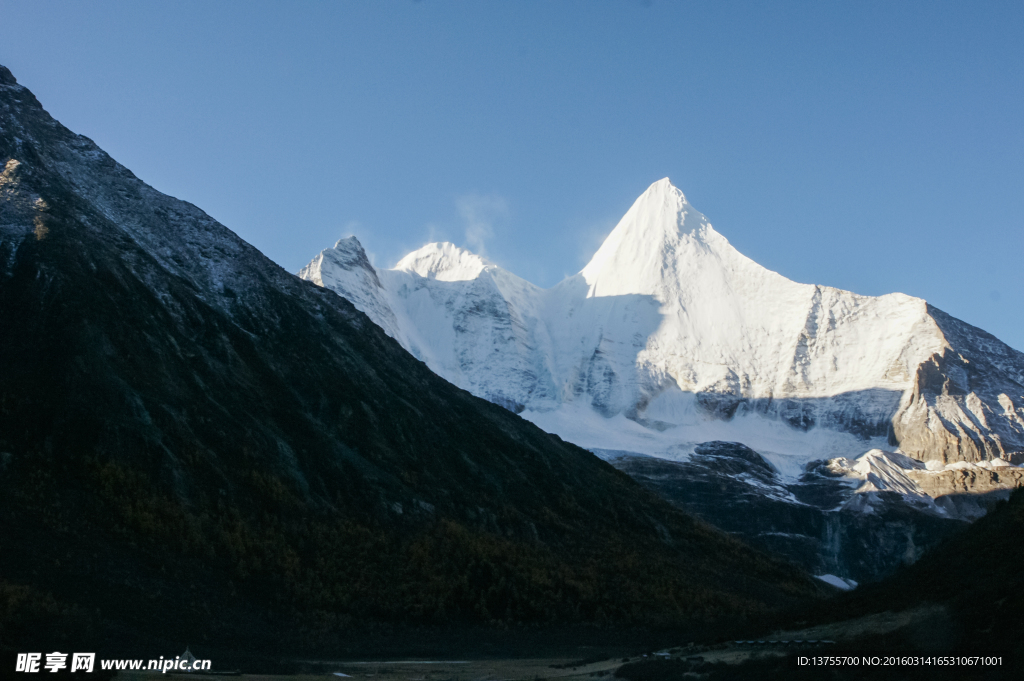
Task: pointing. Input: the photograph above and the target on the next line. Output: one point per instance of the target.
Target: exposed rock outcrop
(967, 402)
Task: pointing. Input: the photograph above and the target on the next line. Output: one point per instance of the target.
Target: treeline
(270, 547)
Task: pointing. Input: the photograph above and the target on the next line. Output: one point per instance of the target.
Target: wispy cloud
(435, 232)
(481, 213)
(352, 228)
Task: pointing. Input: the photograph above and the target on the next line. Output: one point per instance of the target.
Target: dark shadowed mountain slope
(955, 614)
(974, 578)
(197, 445)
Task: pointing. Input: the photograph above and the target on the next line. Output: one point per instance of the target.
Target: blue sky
(876, 147)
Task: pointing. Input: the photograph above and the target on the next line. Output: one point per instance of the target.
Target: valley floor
(772, 656)
(730, 659)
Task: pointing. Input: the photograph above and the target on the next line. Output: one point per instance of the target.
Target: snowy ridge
(346, 267)
(670, 337)
(444, 262)
(931, 486)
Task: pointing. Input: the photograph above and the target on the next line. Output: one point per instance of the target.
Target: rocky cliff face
(856, 519)
(818, 521)
(965, 403)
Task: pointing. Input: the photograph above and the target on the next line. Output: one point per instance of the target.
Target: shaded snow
(786, 448)
(844, 584)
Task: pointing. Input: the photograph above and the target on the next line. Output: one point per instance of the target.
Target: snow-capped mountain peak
(720, 383)
(663, 247)
(443, 261)
(635, 256)
(670, 337)
(346, 268)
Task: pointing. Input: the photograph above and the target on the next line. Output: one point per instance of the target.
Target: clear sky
(876, 147)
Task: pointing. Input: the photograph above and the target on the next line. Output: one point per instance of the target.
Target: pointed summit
(345, 269)
(349, 249)
(348, 254)
(656, 235)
